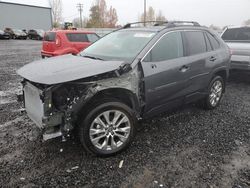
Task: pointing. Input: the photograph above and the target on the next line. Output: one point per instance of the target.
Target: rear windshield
(50, 36)
(237, 34)
(77, 37)
(92, 37)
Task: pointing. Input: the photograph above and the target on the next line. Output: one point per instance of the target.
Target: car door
(198, 57)
(166, 73)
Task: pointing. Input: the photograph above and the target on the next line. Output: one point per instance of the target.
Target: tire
(215, 93)
(107, 139)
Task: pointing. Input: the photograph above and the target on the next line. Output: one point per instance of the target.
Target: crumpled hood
(65, 68)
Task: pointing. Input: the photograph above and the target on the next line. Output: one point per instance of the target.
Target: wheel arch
(68, 51)
(222, 73)
(121, 94)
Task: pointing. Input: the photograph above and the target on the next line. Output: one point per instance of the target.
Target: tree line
(100, 16)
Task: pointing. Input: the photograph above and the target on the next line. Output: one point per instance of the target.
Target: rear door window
(214, 42)
(169, 47)
(77, 37)
(195, 42)
(92, 37)
(50, 36)
(236, 34)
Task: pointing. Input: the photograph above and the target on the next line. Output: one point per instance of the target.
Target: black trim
(19, 4)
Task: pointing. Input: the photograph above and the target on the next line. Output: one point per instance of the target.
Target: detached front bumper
(39, 109)
(240, 62)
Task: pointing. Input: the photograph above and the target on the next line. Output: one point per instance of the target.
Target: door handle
(212, 58)
(153, 66)
(184, 68)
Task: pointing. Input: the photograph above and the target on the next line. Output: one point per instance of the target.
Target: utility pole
(145, 12)
(80, 9)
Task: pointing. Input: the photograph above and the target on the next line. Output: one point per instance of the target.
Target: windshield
(120, 45)
(1, 32)
(237, 34)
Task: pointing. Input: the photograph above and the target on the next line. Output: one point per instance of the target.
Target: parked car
(66, 42)
(9, 31)
(25, 31)
(238, 39)
(36, 34)
(4, 35)
(16, 33)
(130, 74)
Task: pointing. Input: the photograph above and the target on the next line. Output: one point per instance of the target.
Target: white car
(238, 40)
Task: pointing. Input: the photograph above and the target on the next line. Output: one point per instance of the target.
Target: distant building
(25, 16)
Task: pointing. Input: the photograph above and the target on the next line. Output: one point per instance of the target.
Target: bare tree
(77, 22)
(152, 16)
(214, 27)
(111, 18)
(101, 16)
(247, 22)
(56, 8)
(160, 17)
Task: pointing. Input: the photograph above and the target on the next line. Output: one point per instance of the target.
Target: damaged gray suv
(130, 74)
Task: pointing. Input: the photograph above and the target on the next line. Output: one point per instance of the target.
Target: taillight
(58, 41)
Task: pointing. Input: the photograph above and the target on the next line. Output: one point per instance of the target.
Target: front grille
(33, 104)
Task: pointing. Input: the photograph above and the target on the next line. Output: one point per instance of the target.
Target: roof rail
(167, 24)
(178, 23)
(128, 25)
(162, 23)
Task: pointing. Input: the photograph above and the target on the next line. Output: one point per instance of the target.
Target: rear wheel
(107, 129)
(215, 93)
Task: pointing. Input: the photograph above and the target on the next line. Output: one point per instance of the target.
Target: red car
(66, 42)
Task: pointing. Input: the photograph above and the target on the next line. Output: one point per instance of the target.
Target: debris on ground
(121, 164)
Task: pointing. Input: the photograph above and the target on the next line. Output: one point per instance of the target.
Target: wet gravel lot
(189, 147)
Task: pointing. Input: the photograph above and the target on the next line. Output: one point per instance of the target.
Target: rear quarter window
(92, 37)
(50, 36)
(236, 34)
(214, 42)
(195, 42)
(77, 37)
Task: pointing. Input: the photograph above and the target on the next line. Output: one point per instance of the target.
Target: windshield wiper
(92, 57)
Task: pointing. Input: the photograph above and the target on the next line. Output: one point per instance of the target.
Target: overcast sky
(206, 12)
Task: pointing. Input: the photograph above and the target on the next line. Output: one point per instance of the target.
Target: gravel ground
(189, 147)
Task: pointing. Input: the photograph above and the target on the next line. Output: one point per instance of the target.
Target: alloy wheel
(110, 130)
(215, 93)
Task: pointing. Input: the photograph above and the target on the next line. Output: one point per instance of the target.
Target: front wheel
(107, 129)
(215, 93)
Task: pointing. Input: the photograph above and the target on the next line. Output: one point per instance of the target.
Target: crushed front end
(51, 107)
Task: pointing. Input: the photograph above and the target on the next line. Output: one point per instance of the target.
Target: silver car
(238, 40)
